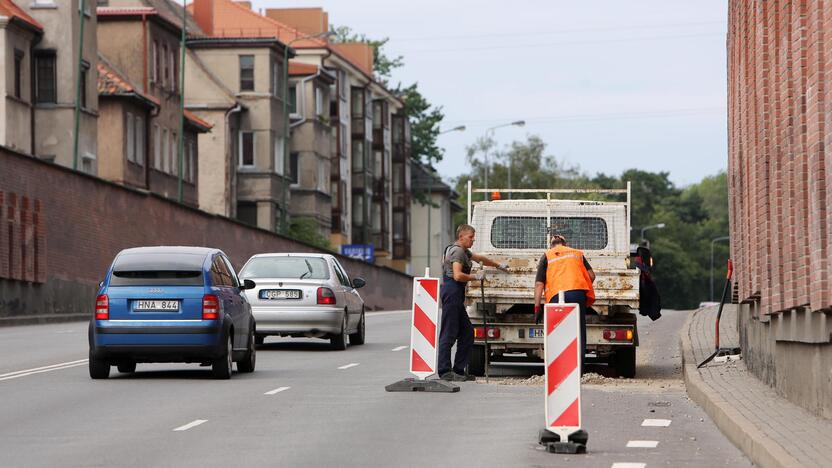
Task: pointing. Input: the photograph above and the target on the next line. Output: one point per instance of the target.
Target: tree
(307, 230)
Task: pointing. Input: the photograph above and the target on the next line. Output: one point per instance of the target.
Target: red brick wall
(778, 96)
(66, 227)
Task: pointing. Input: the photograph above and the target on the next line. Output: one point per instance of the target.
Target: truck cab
(516, 232)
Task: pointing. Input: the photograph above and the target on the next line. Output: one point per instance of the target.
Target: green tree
(307, 230)
(425, 119)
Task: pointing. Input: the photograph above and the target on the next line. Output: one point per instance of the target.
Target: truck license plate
(535, 333)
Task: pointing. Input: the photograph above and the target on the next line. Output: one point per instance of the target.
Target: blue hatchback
(172, 304)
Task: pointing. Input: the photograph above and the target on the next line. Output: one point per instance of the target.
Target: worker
(564, 269)
(456, 326)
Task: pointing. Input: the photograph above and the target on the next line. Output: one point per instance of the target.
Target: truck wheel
(477, 364)
(624, 362)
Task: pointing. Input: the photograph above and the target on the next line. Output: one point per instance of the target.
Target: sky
(609, 85)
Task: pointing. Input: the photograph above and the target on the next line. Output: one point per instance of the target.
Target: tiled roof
(302, 69)
(8, 8)
(197, 121)
(125, 11)
(112, 83)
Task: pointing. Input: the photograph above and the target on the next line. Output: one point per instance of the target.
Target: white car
(305, 295)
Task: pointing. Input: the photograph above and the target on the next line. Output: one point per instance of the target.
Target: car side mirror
(358, 283)
(247, 284)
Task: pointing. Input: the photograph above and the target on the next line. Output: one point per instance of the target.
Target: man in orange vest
(564, 269)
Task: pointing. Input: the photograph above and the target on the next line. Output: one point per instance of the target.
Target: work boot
(463, 377)
(449, 376)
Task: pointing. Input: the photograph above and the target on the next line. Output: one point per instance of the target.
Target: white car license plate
(167, 305)
(535, 333)
(280, 294)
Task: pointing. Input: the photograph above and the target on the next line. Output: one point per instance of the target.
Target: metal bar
(611, 191)
(181, 149)
(469, 202)
(78, 85)
(629, 210)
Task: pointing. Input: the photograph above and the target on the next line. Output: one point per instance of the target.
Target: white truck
(516, 231)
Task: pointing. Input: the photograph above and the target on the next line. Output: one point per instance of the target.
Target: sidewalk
(771, 431)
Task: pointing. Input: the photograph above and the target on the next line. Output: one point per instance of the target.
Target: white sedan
(304, 295)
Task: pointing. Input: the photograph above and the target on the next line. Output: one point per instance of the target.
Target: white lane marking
(642, 444)
(655, 423)
(38, 370)
(628, 465)
(381, 314)
(191, 424)
(352, 364)
(277, 390)
(398, 348)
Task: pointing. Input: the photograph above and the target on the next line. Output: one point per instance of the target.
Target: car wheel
(127, 367)
(221, 367)
(339, 342)
(476, 366)
(99, 368)
(250, 359)
(259, 339)
(357, 338)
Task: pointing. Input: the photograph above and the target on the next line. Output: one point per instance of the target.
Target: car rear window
(154, 269)
(286, 267)
(529, 232)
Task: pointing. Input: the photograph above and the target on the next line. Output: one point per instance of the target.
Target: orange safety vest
(566, 272)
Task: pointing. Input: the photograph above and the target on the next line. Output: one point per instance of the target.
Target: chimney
(306, 20)
(359, 54)
(203, 12)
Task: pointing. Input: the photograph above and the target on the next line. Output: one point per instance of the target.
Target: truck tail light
(618, 335)
(210, 307)
(480, 332)
(326, 296)
(102, 307)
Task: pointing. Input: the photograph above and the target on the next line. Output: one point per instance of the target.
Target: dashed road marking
(39, 370)
(277, 390)
(398, 348)
(628, 465)
(191, 424)
(352, 364)
(642, 443)
(655, 423)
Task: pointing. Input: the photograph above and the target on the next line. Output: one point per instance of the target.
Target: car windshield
(154, 269)
(286, 267)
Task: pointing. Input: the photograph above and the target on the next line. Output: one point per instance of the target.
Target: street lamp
(460, 128)
(652, 226)
(284, 213)
(713, 241)
(516, 123)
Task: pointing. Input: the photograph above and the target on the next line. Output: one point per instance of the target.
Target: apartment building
(19, 33)
(55, 63)
(401, 193)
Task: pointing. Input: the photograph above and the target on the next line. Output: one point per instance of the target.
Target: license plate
(156, 305)
(280, 294)
(535, 333)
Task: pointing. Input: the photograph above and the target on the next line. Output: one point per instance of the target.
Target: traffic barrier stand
(561, 348)
(424, 335)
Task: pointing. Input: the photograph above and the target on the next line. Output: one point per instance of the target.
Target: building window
(157, 147)
(85, 71)
(18, 73)
(140, 139)
(246, 73)
(165, 151)
(45, 90)
(322, 178)
(293, 99)
(246, 149)
(279, 152)
(247, 213)
(173, 71)
(130, 138)
(319, 102)
(277, 80)
(165, 70)
(174, 154)
(358, 211)
(191, 160)
(154, 66)
(294, 176)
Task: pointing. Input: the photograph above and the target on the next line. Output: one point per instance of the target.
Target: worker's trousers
(577, 296)
(455, 326)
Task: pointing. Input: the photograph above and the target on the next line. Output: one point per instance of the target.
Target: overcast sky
(608, 84)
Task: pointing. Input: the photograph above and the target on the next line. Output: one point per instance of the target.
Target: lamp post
(490, 131)
(652, 226)
(460, 128)
(713, 241)
(284, 212)
(78, 85)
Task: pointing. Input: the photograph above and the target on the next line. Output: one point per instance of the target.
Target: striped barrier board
(561, 349)
(424, 332)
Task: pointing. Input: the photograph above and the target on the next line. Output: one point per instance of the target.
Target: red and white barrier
(424, 332)
(562, 347)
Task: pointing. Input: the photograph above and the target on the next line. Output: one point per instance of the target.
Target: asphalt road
(308, 406)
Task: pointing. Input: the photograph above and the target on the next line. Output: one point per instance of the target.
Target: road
(308, 406)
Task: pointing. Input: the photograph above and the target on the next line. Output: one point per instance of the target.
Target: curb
(43, 319)
(759, 447)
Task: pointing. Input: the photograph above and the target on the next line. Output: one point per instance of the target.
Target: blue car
(172, 304)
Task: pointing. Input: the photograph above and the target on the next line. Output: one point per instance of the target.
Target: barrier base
(416, 385)
(575, 444)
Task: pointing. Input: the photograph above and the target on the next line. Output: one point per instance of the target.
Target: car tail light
(326, 296)
(480, 332)
(210, 307)
(102, 307)
(618, 335)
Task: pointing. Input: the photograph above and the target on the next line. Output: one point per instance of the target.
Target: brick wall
(59, 231)
(778, 101)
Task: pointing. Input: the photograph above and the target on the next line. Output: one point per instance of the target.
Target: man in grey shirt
(456, 326)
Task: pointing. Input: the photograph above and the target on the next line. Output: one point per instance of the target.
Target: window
(140, 139)
(18, 73)
(173, 71)
(279, 152)
(232, 277)
(529, 232)
(293, 99)
(246, 73)
(319, 102)
(358, 155)
(45, 90)
(247, 213)
(157, 147)
(174, 154)
(85, 69)
(357, 103)
(165, 151)
(165, 70)
(219, 273)
(191, 160)
(322, 178)
(398, 226)
(277, 80)
(358, 211)
(247, 149)
(286, 267)
(131, 137)
(154, 66)
(293, 168)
